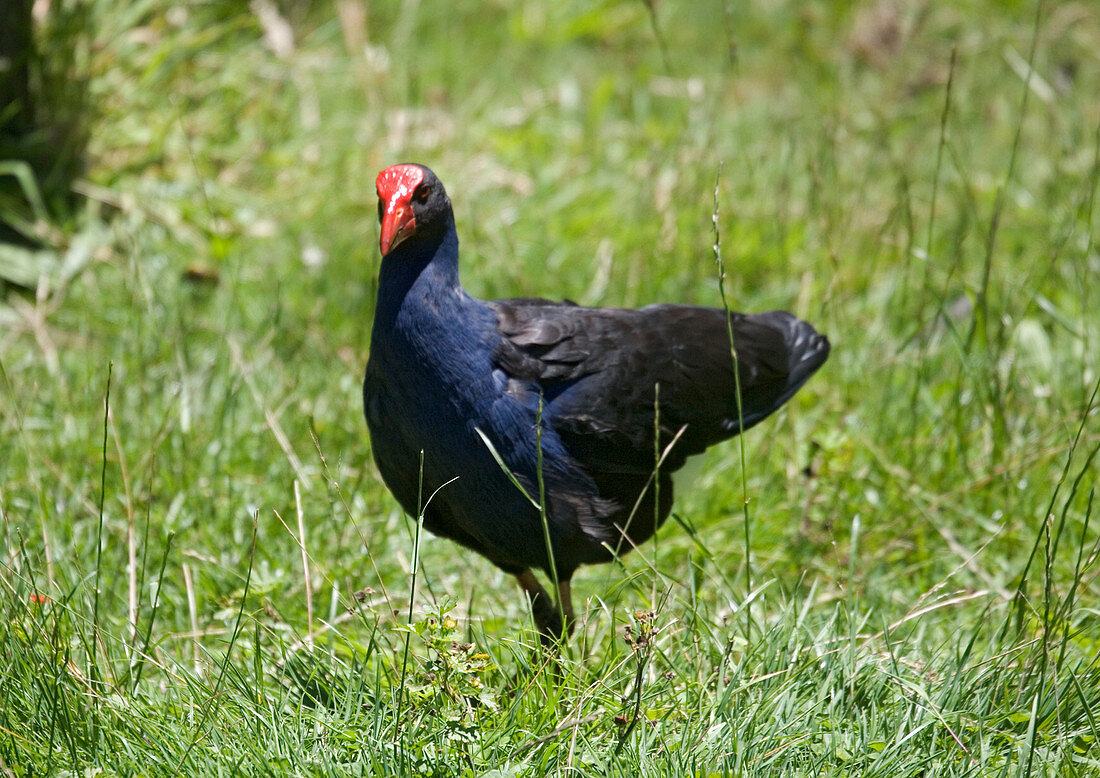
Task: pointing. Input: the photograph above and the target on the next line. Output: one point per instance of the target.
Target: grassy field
(202, 573)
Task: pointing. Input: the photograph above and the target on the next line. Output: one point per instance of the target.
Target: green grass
(180, 398)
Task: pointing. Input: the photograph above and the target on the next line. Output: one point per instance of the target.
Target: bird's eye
(422, 193)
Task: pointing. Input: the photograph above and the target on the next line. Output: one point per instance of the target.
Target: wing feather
(610, 377)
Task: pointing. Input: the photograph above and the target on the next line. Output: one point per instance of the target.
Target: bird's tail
(783, 346)
(807, 348)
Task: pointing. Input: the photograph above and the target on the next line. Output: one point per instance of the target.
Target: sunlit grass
(923, 536)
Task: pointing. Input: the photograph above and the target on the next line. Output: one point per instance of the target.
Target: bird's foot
(547, 613)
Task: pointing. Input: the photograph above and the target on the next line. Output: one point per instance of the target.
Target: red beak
(395, 186)
(398, 223)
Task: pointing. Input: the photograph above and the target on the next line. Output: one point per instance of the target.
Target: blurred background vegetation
(188, 265)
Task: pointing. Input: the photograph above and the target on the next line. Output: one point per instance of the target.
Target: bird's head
(411, 202)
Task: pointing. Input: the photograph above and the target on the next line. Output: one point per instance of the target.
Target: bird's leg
(565, 598)
(544, 609)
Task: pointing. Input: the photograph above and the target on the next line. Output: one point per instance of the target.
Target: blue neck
(427, 328)
(418, 273)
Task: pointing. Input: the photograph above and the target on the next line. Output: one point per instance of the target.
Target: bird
(543, 434)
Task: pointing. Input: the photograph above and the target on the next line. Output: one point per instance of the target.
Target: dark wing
(601, 370)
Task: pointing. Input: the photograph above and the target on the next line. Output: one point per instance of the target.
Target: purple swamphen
(590, 410)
